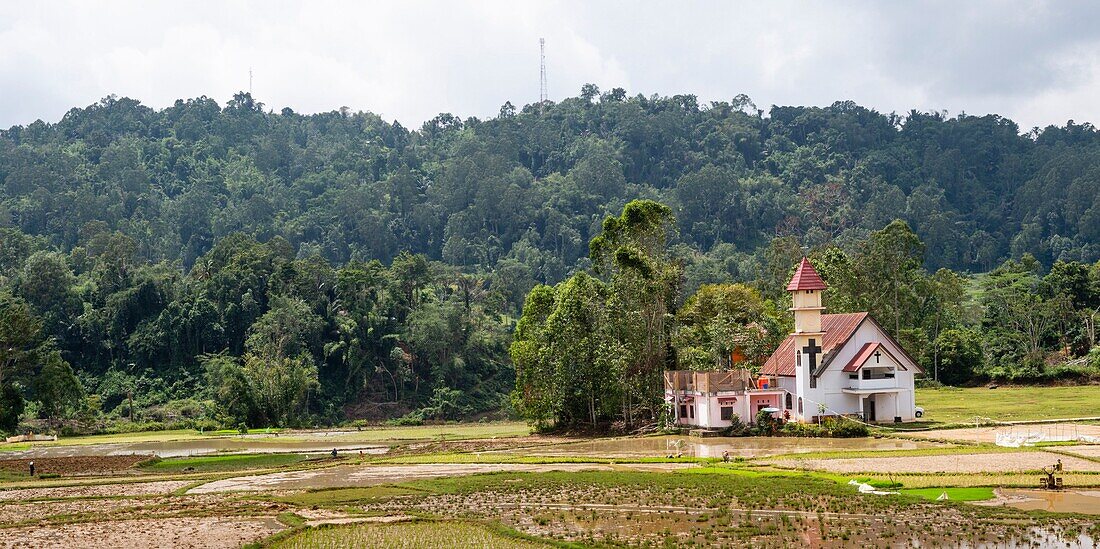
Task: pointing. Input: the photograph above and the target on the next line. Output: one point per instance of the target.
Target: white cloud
(1038, 63)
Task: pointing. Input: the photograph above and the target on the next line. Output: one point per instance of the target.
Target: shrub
(736, 429)
(830, 427)
(411, 419)
(838, 427)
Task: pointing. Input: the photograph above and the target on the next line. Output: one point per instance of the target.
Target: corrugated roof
(806, 278)
(838, 329)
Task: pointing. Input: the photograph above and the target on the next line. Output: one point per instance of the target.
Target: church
(832, 365)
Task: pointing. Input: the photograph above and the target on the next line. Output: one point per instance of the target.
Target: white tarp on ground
(1033, 434)
(865, 488)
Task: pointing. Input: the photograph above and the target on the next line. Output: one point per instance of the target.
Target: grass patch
(952, 404)
(412, 535)
(954, 494)
(291, 520)
(209, 464)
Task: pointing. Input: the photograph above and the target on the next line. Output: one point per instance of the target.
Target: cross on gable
(812, 350)
(877, 356)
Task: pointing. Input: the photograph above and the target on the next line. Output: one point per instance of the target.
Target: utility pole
(249, 80)
(542, 71)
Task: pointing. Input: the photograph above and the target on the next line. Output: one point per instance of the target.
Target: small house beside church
(831, 365)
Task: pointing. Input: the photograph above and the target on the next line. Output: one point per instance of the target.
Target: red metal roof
(865, 353)
(806, 278)
(838, 329)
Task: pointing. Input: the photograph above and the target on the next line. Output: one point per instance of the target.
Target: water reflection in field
(180, 448)
(747, 447)
(1055, 501)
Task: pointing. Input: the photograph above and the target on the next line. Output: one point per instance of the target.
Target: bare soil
(1091, 451)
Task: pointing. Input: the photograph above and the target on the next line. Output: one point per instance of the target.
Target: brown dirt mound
(74, 466)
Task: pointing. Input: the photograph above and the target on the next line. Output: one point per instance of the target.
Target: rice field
(405, 535)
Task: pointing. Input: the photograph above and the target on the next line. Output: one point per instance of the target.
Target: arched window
(790, 404)
(799, 405)
(798, 359)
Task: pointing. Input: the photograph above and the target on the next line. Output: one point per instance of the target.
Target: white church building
(839, 364)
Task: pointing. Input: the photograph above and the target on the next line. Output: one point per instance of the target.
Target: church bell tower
(805, 288)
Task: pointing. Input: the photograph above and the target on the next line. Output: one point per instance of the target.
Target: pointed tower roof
(806, 278)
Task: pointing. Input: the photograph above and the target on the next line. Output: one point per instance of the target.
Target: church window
(790, 403)
(799, 405)
(691, 412)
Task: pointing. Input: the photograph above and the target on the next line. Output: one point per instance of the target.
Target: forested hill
(528, 188)
(239, 265)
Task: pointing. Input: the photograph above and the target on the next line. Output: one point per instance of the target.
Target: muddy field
(368, 475)
(191, 532)
(94, 490)
(554, 488)
(1004, 462)
(183, 448)
(745, 447)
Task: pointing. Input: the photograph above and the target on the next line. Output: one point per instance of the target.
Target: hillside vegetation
(231, 264)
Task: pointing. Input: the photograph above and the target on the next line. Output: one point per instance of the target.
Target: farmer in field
(31, 465)
(334, 453)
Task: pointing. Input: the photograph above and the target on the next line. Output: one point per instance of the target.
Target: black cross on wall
(877, 356)
(812, 350)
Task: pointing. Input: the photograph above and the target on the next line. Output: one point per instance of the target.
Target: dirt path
(205, 532)
(1054, 431)
(1005, 462)
(366, 475)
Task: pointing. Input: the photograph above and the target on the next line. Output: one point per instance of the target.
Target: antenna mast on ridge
(249, 80)
(542, 71)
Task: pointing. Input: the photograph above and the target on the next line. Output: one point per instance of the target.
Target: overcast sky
(1037, 63)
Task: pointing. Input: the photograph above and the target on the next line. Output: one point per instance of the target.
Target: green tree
(959, 354)
(718, 319)
(57, 388)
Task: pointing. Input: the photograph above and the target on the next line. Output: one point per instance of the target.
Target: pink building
(711, 400)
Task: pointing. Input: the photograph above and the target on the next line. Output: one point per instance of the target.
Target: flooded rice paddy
(194, 447)
(745, 447)
(370, 475)
(1055, 501)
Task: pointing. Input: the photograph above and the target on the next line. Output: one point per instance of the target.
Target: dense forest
(236, 265)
